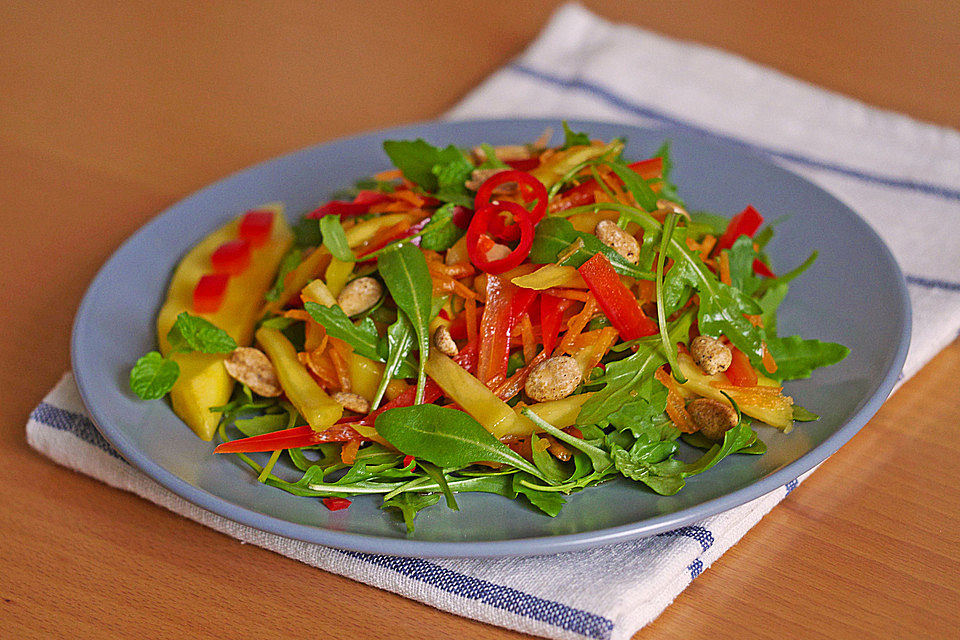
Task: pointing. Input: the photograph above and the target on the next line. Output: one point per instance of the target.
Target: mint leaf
(153, 376)
(417, 158)
(192, 333)
(451, 181)
(335, 238)
(573, 138)
(441, 233)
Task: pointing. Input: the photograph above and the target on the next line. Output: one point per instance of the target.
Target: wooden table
(109, 112)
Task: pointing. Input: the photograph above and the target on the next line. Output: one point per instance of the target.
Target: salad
(526, 320)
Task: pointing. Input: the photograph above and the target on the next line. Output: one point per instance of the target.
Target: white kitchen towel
(901, 175)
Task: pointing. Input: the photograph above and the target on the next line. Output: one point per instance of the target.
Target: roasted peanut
(711, 355)
(352, 402)
(360, 295)
(668, 206)
(444, 343)
(712, 416)
(553, 379)
(253, 368)
(619, 240)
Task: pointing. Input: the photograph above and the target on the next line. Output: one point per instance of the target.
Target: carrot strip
(388, 175)
(470, 309)
(528, 339)
(577, 323)
(706, 246)
(570, 294)
(320, 366)
(338, 353)
(676, 408)
(348, 452)
(768, 362)
(724, 267)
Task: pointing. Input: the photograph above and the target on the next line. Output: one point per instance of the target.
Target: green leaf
(573, 138)
(492, 161)
(437, 476)
(642, 193)
(400, 338)
(441, 233)
(289, 262)
(409, 504)
(446, 437)
(551, 468)
(769, 303)
(193, 333)
(797, 358)
(153, 376)
(741, 256)
(801, 414)
(554, 235)
(549, 502)
(643, 416)
(668, 189)
(335, 238)
(735, 439)
(598, 456)
(451, 181)
(404, 271)
(417, 158)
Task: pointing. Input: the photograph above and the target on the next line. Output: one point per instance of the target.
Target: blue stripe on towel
(698, 533)
(620, 102)
(587, 624)
(75, 423)
(695, 568)
(933, 283)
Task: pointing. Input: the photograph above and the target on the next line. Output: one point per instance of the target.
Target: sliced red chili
(359, 206)
(531, 190)
(293, 438)
(761, 269)
(479, 227)
(255, 227)
(231, 257)
(551, 318)
(209, 293)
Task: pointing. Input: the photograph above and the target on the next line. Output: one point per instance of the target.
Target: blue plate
(836, 300)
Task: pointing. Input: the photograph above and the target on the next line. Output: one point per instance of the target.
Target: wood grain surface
(109, 112)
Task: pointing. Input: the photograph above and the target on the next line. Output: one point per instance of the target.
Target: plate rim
(536, 545)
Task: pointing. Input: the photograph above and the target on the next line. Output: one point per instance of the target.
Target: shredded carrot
(297, 314)
(768, 362)
(692, 244)
(724, 267)
(348, 452)
(577, 323)
(458, 270)
(338, 356)
(706, 246)
(409, 197)
(514, 384)
(388, 175)
(676, 408)
(470, 309)
(570, 294)
(315, 335)
(319, 364)
(646, 291)
(528, 338)
(755, 320)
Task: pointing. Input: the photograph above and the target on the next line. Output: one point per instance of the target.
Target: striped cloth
(903, 176)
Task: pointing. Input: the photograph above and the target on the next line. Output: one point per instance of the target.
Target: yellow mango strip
(560, 413)
(318, 409)
(337, 274)
(203, 381)
(587, 222)
(559, 164)
(317, 291)
(473, 396)
(315, 264)
(551, 275)
(774, 409)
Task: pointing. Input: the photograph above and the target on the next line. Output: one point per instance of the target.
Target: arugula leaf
(769, 302)
(306, 233)
(153, 376)
(549, 502)
(437, 476)
(193, 333)
(644, 414)
(642, 193)
(668, 189)
(801, 414)
(441, 233)
(491, 161)
(289, 262)
(645, 464)
(598, 457)
(550, 467)
(445, 437)
(400, 337)
(572, 138)
(335, 238)
(735, 439)
(417, 158)
(554, 235)
(409, 504)
(797, 358)
(404, 271)
(741, 256)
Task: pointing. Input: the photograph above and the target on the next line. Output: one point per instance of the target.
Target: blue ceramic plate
(837, 300)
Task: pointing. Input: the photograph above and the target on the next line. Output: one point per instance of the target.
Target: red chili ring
(481, 224)
(530, 188)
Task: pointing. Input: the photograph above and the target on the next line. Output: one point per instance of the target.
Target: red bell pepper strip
(336, 504)
(231, 257)
(762, 269)
(551, 318)
(478, 230)
(527, 164)
(255, 227)
(209, 292)
(359, 206)
(582, 194)
(293, 438)
(744, 223)
(741, 373)
(619, 305)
